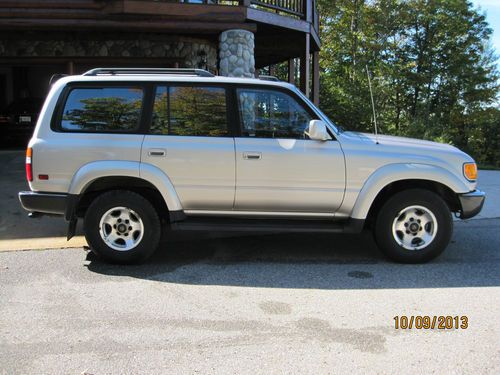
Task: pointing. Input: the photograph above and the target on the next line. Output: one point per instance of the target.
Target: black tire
(135, 205)
(383, 230)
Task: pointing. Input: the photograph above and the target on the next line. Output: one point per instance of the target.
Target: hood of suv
(406, 150)
(390, 140)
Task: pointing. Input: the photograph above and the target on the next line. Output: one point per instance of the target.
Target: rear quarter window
(102, 109)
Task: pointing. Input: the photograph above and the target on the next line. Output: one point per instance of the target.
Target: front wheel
(122, 227)
(413, 226)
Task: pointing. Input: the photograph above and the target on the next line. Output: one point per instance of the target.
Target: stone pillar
(236, 54)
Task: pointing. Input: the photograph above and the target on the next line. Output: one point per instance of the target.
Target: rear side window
(190, 111)
(102, 109)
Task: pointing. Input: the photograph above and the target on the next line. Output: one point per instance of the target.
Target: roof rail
(269, 78)
(132, 71)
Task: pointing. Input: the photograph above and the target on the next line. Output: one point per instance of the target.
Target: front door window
(271, 114)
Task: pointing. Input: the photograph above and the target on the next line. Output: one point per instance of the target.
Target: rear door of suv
(191, 142)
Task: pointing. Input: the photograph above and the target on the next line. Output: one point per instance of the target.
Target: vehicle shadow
(313, 261)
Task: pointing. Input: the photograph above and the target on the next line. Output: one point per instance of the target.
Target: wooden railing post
(308, 11)
(245, 3)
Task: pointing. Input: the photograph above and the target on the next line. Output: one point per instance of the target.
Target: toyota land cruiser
(133, 150)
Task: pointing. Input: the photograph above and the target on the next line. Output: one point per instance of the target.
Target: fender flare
(99, 169)
(391, 173)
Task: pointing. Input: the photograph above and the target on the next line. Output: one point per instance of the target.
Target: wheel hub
(414, 227)
(121, 228)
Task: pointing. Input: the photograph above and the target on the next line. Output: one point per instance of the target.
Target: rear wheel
(122, 227)
(413, 226)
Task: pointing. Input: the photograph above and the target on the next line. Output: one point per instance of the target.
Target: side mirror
(317, 131)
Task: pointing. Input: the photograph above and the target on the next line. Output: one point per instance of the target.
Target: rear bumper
(47, 203)
(471, 203)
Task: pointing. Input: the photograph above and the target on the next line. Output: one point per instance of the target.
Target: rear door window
(190, 111)
(103, 109)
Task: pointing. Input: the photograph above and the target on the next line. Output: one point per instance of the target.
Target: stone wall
(236, 54)
(185, 50)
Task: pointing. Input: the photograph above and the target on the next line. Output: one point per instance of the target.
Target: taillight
(29, 167)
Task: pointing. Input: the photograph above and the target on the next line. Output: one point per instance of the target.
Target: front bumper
(471, 203)
(47, 203)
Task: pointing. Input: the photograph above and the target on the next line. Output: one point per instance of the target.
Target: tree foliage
(434, 75)
(190, 111)
(104, 114)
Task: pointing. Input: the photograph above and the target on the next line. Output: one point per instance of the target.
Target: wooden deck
(284, 29)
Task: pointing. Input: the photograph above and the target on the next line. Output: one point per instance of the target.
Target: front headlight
(470, 171)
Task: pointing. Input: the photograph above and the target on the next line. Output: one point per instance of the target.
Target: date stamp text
(431, 322)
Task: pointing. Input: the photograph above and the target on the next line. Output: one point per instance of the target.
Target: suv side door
(191, 142)
(278, 169)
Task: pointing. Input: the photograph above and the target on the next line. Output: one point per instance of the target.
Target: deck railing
(293, 7)
(302, 9)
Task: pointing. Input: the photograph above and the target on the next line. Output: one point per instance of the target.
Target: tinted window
(271, 114)
(102, 109)
(190, 111)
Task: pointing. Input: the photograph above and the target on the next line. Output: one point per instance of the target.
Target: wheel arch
(440, 189)
(398, 177)
(98, 177)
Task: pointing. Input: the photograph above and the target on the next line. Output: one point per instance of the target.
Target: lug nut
(126, 221)
(130, 228)
(119, 220)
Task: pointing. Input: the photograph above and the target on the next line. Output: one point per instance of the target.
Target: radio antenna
(373, 105)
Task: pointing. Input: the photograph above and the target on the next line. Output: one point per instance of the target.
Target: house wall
(188, 52)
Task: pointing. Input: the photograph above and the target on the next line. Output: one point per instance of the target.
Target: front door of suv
(190, 141)
(278, 169)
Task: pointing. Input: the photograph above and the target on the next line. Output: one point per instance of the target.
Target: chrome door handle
(157, 152)
(252, 155)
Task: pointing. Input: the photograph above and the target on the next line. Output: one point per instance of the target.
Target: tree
(434, 75)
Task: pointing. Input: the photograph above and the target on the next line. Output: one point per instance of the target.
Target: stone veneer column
(236, 54)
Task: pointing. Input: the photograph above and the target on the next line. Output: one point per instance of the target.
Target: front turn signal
(470, 171)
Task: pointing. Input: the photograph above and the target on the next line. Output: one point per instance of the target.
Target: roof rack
(132, 71)
(269, 78)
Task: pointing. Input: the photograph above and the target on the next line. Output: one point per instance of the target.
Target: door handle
(157, 152)
(252, 155)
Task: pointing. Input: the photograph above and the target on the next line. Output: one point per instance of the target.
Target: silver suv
(129, 150)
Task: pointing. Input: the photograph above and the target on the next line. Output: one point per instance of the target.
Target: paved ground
(258, 304)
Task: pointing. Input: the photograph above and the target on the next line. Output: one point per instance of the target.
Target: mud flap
(71, 228)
